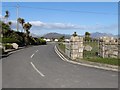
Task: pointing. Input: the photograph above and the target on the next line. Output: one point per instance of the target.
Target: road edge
(83, 64)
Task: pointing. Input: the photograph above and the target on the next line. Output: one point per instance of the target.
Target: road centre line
(32, 55)
(37, 51)
(37, 70)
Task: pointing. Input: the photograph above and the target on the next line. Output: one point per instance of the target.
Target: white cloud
(38, 26)
(42, 25)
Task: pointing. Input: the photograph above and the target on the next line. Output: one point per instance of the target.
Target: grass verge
(111, 61)
(61, 46)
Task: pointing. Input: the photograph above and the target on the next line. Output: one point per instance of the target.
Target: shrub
(42, 42)
(9, 40)
(8, 46)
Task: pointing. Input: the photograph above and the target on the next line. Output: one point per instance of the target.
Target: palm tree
(75, 34)
(27, 27)
(87, 36)
(9, 23)
(21, 21)
(7, 14)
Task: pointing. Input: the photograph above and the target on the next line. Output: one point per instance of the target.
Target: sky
(65, 17)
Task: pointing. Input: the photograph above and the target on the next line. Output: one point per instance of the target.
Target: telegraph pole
(17, 27)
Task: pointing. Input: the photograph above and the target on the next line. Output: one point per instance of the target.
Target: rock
(15, 45)
(88, 48)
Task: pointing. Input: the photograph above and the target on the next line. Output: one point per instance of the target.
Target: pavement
(41, 67)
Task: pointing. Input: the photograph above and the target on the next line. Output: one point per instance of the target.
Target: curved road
(41, 67)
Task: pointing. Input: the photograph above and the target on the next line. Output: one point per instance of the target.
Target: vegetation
(61, 46)
(93, 52)
(93, 55)
(75, 34)
(61, 39)
(87, 36)
(21, 21)
(8, 46)
(111, 61)
(21, 38)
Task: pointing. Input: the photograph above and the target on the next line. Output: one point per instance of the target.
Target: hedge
(8, 46)
(10, 40)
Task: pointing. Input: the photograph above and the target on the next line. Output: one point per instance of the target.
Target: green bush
(42, 42)
(9, 40)
(8, 46)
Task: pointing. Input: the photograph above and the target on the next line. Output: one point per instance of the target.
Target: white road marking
(32, 55)
(37, 70)
(37, 51)
(59, 54)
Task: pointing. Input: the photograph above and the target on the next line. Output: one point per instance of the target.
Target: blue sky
(68, 17)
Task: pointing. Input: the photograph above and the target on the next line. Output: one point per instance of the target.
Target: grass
(94, 51)
(92, 55)
(111, 61)
(61, 46)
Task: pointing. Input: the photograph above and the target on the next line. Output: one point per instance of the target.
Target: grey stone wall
(108, 47)
(74, 49)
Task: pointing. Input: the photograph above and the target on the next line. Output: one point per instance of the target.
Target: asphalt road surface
(41, 67)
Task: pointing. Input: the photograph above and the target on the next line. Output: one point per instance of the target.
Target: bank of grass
(61, 46)
(111, 61)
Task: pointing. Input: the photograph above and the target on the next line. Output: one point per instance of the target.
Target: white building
(67, 40)
(48, 40)
(56, 40)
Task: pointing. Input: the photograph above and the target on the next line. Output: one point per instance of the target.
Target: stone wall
(108, 47)
(74, 49)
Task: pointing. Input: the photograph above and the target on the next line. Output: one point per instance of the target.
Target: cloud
(43, 25)
(38, 26)
(69, 26)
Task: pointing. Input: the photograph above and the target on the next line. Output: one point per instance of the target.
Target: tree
(27, 27)
(87, 36)
(75, 34)
(5, 29)
(21, 21)
(9, 23)
(7, 14)
(61, 39)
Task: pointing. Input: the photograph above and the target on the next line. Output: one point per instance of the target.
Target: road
(41, 67)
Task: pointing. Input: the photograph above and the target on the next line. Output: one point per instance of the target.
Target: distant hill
(93, 35)
(98, 34)
(55, 35)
